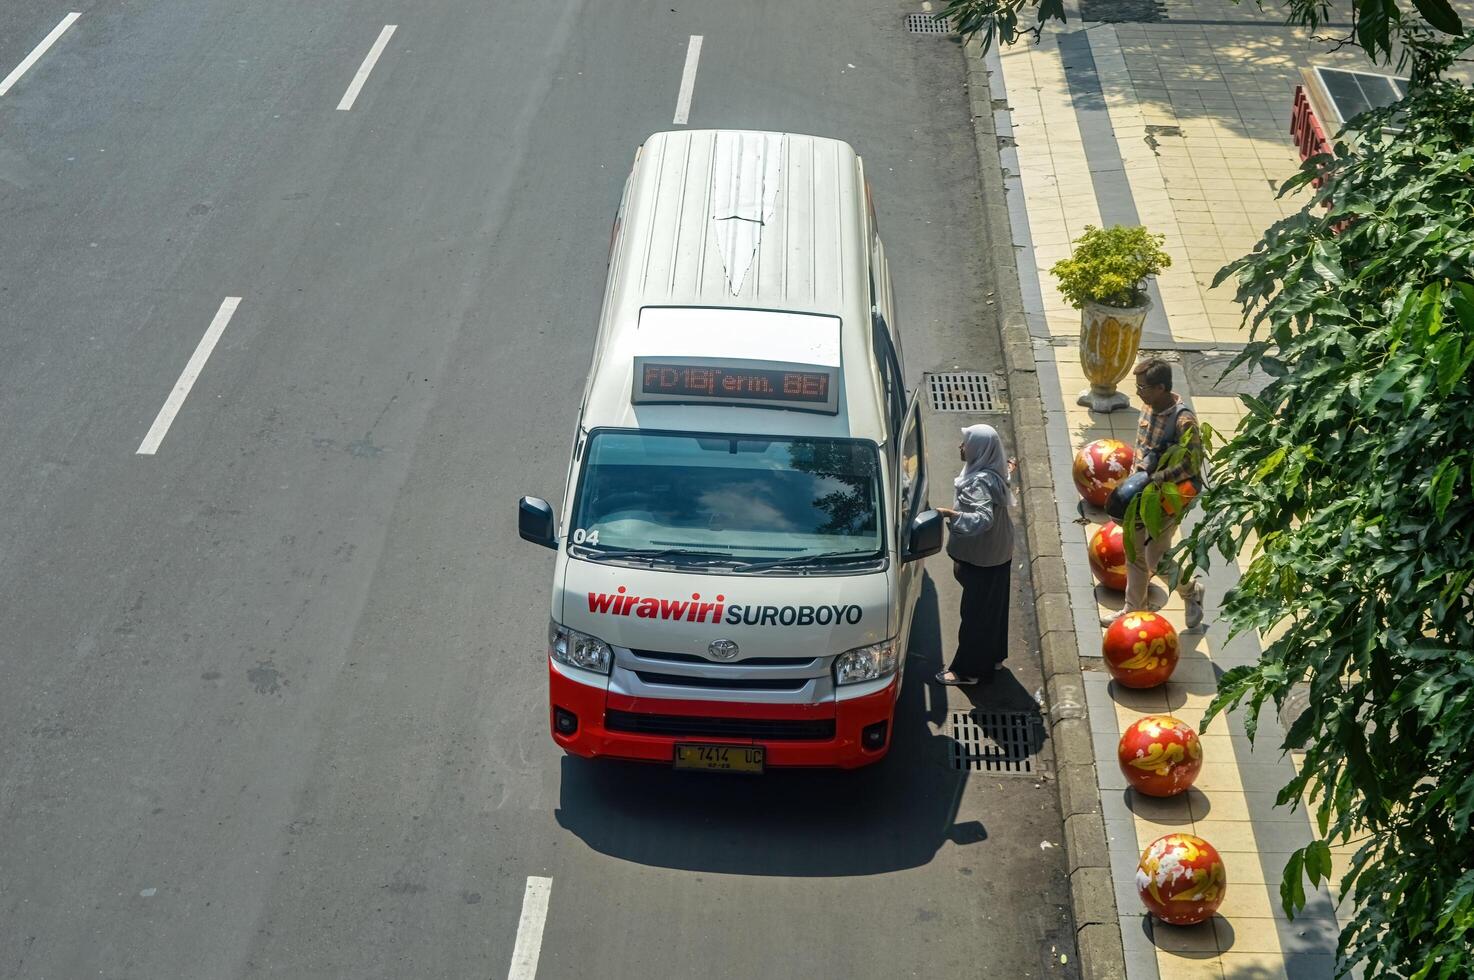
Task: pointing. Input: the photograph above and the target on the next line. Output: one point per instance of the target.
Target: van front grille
(762, 729)
(725, 683)
(691, 658)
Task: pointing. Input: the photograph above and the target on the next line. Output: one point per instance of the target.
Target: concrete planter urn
(1105, 278)
(1109, 339)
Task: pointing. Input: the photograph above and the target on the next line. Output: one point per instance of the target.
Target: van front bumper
(616, 726)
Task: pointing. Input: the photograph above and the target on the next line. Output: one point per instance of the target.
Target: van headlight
(865, 663)
(578, 649)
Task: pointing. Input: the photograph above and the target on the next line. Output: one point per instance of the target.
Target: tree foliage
(1416, 33)
(1353, 469)
(1353, 474)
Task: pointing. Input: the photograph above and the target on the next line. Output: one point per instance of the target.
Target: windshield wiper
(792, 561)
(654, 554)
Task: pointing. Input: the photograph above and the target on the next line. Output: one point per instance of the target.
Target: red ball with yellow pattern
(1159, 755)
(1140, 649)
(1099, 466)
(1181, 879)
(1108, 557)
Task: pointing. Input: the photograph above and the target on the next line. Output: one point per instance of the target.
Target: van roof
(740, 220)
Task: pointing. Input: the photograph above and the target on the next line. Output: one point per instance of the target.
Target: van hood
(677, 611)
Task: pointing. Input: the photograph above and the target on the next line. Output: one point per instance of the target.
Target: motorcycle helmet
(1125, 491)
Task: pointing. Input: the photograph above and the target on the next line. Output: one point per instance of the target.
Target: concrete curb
(1092, 899)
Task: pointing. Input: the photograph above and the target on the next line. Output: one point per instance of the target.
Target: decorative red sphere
(1159, 755)
(1181, 879)
(1140, 649)
(1099, 466)
(1108, 557)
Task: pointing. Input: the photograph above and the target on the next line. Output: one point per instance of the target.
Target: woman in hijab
(981, 546)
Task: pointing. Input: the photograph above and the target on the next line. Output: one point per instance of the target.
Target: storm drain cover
(1123, 11)
(927, 24)
(962, 391)
(1003, 742)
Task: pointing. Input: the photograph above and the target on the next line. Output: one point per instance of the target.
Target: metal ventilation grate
(962, 391)
(1003, 742)
(930, 24)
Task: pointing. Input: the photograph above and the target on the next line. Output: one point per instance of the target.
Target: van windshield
(742, 499)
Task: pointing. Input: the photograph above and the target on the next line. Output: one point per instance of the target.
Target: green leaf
(1272, 463)
(1318, 861)
(1324, 264)
(1448, 355)
(1152, 513)
(1051, 10)
(1385, 382)
(1255, 406)
(1440, 15)
(1236, 684)
(1358, 759)
(1292, 884)
(1441, 489)
(1131, 518)
(1432, 308)
(1462, 301)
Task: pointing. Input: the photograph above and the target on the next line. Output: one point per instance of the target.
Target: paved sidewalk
(1181, 125)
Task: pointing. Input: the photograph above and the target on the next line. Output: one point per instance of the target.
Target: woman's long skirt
(982, 641)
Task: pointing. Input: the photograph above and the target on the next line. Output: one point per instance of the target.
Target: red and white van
(746, 502)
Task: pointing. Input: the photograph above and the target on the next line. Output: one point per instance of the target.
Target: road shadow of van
(887, 817)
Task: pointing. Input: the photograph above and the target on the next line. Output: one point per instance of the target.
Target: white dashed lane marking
(530, 929)
(172, 404)
(38, 51)
(368, 65)
(688, 80)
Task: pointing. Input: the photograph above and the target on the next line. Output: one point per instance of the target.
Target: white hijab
(982, 449)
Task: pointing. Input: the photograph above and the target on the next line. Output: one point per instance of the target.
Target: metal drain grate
(1124, 11)
(930, 24)
(962, 391)
(1004, 742)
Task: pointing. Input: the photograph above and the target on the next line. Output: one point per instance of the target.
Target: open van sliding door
(911, 500)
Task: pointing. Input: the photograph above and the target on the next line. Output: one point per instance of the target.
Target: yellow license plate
(720, 758)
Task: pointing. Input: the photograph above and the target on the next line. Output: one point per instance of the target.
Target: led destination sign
(771, 384)
(689, 381)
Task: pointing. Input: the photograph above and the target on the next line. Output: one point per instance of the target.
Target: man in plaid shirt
(1165, 423)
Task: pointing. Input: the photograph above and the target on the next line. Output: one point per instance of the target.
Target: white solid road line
(366, 67)
(40, 49)
(688, 80)
(160, 428)
(530, 929)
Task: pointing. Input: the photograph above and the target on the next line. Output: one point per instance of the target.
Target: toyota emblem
(722, 650)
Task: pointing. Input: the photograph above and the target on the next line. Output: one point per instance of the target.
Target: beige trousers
(1141, 568)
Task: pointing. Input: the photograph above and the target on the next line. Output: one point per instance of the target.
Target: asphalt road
(274, 696)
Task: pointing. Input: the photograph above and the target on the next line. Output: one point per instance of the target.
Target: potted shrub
(1105, 279)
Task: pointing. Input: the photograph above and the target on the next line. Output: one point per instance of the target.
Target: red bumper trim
(593, 740)
(719, 709)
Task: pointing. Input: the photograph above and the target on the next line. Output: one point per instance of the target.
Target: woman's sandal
(949, 679)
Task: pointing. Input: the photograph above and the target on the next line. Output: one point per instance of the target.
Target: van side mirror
(924, 538)
(535, 522)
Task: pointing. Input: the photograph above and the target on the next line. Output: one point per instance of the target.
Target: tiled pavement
(1181, 125)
